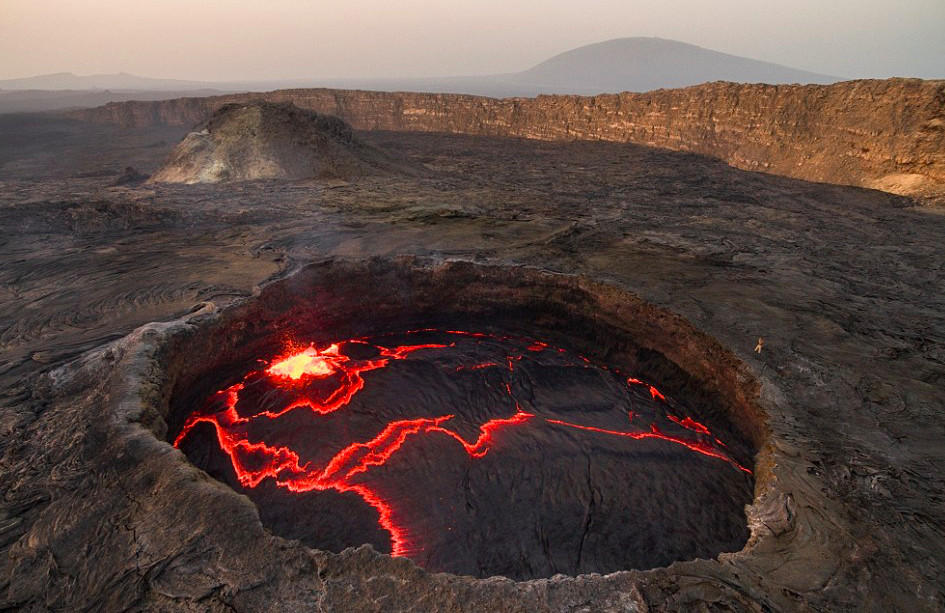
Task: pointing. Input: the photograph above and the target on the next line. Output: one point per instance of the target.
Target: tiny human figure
(761, 343)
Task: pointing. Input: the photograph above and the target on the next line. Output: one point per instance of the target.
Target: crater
(478, 420)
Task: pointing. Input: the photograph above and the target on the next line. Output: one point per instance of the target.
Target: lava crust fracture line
(254, 462)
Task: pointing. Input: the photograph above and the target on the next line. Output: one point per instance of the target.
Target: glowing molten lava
(324, 381)
(309, 362)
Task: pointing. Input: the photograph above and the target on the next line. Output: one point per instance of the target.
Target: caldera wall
(884, 134)
(438, 427)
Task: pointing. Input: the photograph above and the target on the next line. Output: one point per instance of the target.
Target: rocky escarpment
(265, 140)
(887, 135)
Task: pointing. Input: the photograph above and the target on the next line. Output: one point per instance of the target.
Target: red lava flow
(255, 461)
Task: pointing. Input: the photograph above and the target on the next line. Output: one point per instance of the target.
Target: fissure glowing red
(253, 461)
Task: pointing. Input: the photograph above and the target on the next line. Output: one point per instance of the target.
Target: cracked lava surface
(285, 422)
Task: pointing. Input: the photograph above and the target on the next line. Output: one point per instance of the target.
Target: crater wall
(881, 134)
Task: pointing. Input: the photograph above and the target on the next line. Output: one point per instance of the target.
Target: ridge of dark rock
(881, 134)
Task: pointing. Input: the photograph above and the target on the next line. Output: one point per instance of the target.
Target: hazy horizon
(236, 40)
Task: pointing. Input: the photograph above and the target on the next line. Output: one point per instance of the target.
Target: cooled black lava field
(521, 377)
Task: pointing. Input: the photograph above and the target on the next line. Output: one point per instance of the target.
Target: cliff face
(887, 135)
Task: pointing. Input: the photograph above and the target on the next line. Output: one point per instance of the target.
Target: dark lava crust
(546, 498)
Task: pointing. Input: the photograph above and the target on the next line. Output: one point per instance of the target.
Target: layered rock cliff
(882, 134)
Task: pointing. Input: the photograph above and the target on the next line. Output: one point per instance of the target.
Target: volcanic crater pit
(478, 420)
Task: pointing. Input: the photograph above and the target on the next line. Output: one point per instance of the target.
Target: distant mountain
(38, 101)
(624, 64)
(644, 64)
(121, 81)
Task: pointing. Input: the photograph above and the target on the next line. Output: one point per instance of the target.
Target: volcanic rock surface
(107, 292)
(262, 140)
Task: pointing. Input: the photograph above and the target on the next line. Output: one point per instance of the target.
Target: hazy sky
(274, 39)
